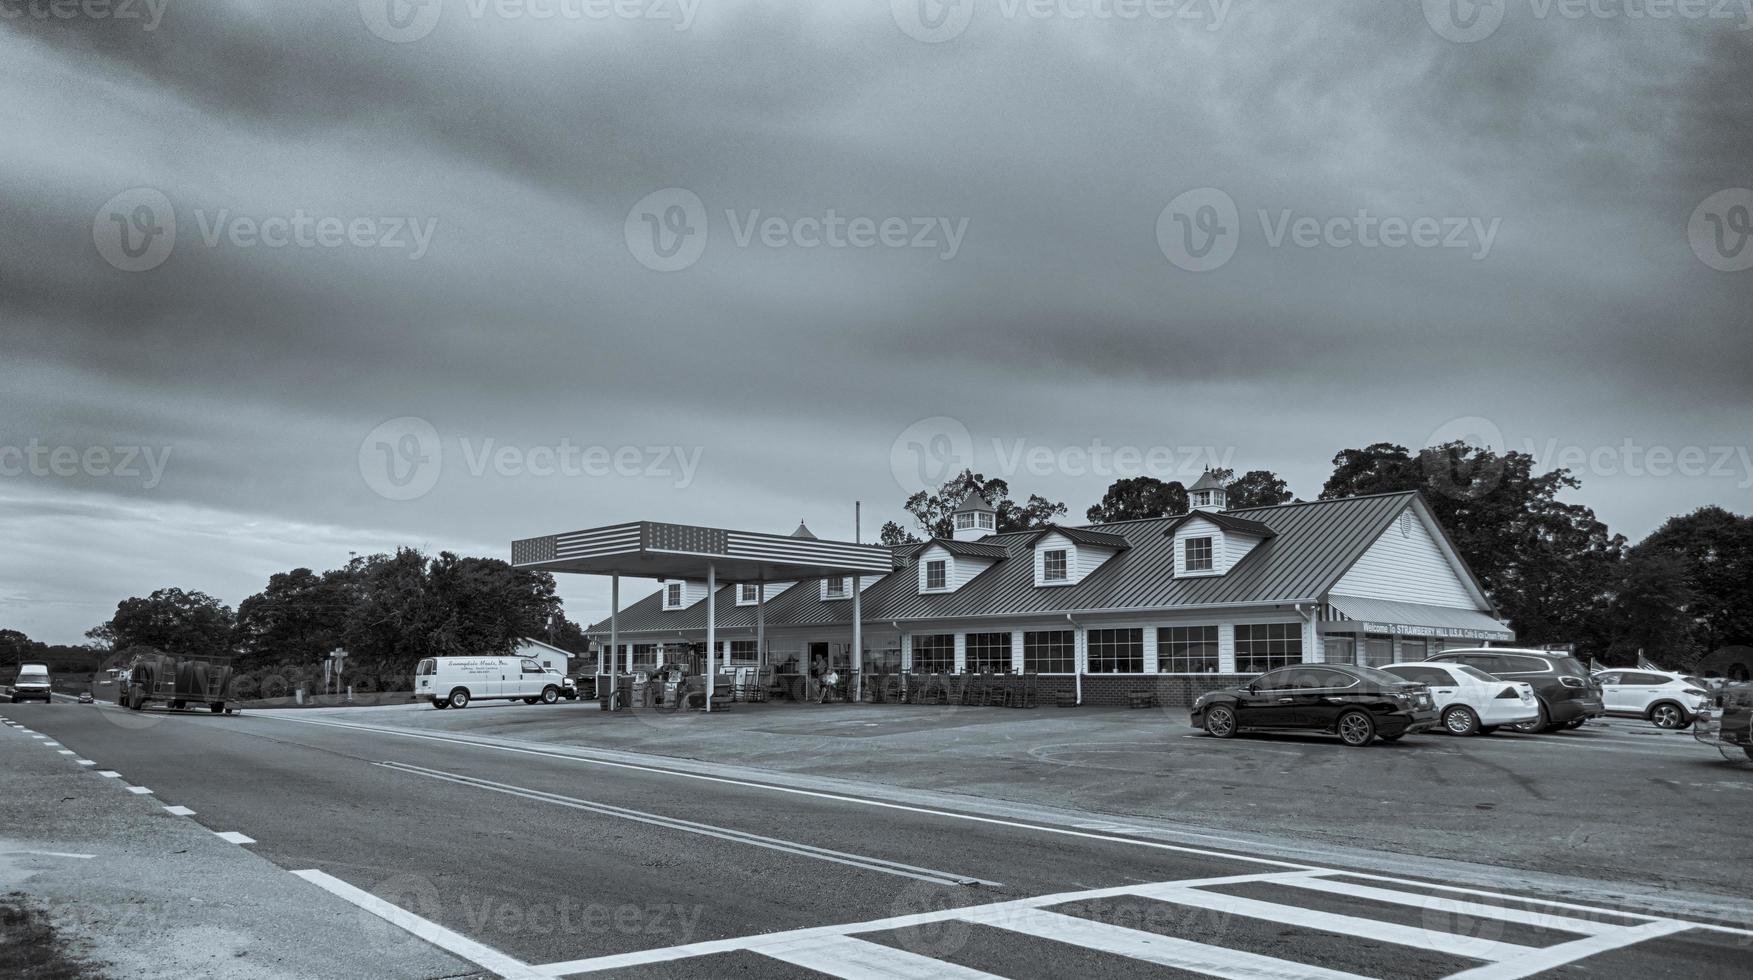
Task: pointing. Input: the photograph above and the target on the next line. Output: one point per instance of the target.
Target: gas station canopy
(648, 549)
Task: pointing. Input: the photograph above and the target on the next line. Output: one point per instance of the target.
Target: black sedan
(1359, 704)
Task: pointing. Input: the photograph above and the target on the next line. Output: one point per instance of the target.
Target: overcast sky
(449, 275)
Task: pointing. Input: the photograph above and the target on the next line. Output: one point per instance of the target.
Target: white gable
(1227, 547)
(692, 591)
(1408, 564)
(1080, 559)
(958, 569)
(770, 589)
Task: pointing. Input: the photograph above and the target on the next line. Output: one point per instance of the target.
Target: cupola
(1208, 493)
(973, 518)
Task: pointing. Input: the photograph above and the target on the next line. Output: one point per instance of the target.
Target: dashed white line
(179, 811)
(87, 762)
(139, 791)
(110, 774)
(234, 837)
(63, 751)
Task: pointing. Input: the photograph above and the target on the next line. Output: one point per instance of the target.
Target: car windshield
(33, 674)
(1474, 672)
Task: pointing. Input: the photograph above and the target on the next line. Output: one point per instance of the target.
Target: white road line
(757, 943)
(1553, 957)
(451, 942)
(1455, 906)
(56, 854)
(64, 751)
(1182, 954)
(109, 774)
(708, 830)
(51, 745)
(139, 791)
(87, 762)
(179, 811)
(855, 959)
(234, 837)
(1476, 947)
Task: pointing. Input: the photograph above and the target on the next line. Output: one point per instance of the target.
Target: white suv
(1668, 700)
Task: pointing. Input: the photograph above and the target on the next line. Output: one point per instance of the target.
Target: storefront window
(1261, 647)
(934, 654)
(1378, 650)
(1050, 652)
(1186, 649)
(1339, 649)
(1414, 649)
(988, 651)
(1119, 651)
(742, 651)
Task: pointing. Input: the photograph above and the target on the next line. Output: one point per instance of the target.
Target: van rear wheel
(440, 703)
(459, 698)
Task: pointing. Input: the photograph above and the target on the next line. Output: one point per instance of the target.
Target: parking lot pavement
(530, 859)
(1618, 800)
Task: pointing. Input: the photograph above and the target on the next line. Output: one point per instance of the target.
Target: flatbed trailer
(178, 682)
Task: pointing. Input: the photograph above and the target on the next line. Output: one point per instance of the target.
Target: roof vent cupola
(1208, 493)
(973, 518)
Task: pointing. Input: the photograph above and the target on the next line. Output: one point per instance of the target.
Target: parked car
(1727, 722)
(1359, 704)
(1468, 700)
(1668, 700)
(452, 682)
(32, 684)
(1566, 694)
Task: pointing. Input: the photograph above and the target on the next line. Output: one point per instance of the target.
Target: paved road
(533, 862)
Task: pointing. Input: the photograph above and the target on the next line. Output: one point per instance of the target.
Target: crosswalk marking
(855, 959)
(1151, 947)
(1553, 957)
(1455, 906)
(1476, 947)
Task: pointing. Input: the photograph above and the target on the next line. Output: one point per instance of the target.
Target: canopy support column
(608, 663)
(760, 628)
(711, 628)
(857, 689)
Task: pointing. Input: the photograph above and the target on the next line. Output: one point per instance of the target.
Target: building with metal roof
(1174, 605)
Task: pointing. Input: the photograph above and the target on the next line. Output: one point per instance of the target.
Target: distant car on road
(1359, 704)
(86, 698)
(1728, 722)
(452, 682)
(1668, 700)
(1468, 700)
(1567, 695)
(32, 684)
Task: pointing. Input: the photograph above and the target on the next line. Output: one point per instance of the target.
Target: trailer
(178, 682)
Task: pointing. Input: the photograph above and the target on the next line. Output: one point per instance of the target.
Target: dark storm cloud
(527, 322)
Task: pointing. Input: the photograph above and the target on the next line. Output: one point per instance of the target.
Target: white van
(32, 682)
(452, 682)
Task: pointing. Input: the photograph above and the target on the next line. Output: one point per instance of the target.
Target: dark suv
(1568, 695)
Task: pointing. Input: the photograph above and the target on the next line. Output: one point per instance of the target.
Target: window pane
(1050, 652)
(1186, 649)
(934, 654)
(988, 651)
(1117, 651)
(935, 575)
(1262, 647)
(1053, 565)
(1198, 554)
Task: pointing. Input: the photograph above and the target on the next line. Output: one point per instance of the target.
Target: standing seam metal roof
(1313, 544)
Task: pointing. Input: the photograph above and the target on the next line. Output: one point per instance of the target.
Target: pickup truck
(1727, 722)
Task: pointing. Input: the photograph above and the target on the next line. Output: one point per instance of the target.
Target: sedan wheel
(1668, 715)
(1220, 720)
(1460, 720)
(1356, 729)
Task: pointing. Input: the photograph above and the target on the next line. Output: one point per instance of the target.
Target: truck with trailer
(179, 682)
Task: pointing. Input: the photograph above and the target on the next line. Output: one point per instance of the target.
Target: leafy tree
(1712, 552)
(300, 616)
(1652, 610)
(1257, 488)
(1139, 497)
(186, 623)
(1550, 566)
(408, 607)
(932, 511)
(894, 535)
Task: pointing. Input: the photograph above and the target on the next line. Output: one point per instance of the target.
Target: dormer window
(936, 574)
(1053, 565)
(837, 587)
(1198, 555)
(672, 595)
(750, 592)
(965, 521)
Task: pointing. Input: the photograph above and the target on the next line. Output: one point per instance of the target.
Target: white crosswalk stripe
(839, 952)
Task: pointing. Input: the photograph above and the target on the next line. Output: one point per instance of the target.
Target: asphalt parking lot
(876, 840)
